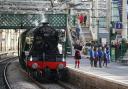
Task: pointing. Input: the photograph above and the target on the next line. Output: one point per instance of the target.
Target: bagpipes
(78, 47)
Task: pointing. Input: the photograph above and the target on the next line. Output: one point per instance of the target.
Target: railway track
(3, 64)
(57, 85)
(26, 80)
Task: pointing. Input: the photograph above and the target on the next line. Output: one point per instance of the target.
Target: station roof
(29, 6)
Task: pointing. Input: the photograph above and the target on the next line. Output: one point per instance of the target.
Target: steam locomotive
(42, 52)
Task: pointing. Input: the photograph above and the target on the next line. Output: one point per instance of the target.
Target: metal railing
(121, 52)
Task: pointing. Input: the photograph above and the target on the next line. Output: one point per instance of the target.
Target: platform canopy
(30, 6)
(28, 13)
(25, 21)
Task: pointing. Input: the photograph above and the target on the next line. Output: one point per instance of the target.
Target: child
(95, 57)
(91, 53)
(104, 57)
(100, 56)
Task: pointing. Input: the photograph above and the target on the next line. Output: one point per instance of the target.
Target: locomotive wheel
(28, 71)
(32, 73)
(35, 75)
(49, 76)
(39, 76)
(54, 76)
(63, 74)
(22, 63)
(44, 77)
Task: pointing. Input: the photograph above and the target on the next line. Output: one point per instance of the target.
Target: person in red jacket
(81, 19)
(77, 58)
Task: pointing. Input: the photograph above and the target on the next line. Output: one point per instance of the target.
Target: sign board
(103, 40)
(118, 25)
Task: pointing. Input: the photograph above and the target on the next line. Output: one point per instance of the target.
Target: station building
(99, 14)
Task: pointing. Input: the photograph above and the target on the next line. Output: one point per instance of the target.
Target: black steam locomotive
(42, 52)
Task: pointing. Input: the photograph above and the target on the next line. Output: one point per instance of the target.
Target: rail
(8, 86)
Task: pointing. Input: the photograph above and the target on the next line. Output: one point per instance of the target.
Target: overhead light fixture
(56, 1)
(46, 9)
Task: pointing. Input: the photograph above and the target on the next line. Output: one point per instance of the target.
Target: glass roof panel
(24, 6)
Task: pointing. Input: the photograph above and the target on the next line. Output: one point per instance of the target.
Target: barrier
(4, 54)
(89, 81)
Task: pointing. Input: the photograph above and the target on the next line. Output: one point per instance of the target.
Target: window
(29, 40)
(102, 22)
(115, 11)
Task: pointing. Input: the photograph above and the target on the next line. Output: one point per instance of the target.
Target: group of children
(99, 54)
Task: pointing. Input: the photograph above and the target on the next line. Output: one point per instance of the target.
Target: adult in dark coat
(85, 19)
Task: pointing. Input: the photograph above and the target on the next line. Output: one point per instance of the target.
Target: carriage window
(62, 39)
(62, 36)
(29, 40)
(28, 43)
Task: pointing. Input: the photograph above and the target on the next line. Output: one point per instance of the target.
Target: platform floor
(114, 72)
(17, 79)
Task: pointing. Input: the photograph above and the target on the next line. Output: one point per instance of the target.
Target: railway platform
(115, 76)
(17, 79)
